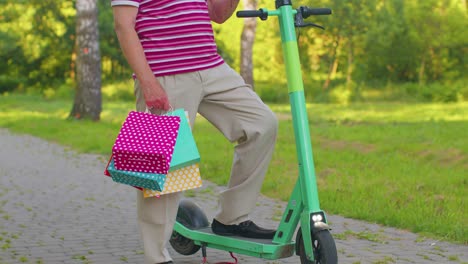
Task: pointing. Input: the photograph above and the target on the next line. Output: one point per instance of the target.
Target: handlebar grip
(249, 13)
(261, 13)
(306, 11)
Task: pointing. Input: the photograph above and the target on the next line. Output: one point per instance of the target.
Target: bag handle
(148, 110)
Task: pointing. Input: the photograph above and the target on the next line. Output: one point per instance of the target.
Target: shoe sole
(238, 235)
(225, 234)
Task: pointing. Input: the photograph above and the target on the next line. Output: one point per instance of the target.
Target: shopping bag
(185, 150)
(183, 173)
(150, 181)
(179, 180)
(107, 173)
(146, 142)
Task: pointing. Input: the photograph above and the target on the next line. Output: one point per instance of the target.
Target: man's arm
(124, 23)
(221, 10)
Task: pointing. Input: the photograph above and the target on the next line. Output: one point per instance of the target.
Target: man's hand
(156, 97)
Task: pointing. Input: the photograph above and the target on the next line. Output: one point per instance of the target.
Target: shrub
(61, 91)
(437, 92)
(272, 92)
(8, 84)
(115, 91)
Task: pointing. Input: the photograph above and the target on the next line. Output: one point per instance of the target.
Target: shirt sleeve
(135, 3)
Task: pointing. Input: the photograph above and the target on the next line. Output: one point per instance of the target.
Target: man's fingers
(152, 104)
(167, 106)
(159, 104)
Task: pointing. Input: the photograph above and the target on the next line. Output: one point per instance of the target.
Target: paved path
(57, 207)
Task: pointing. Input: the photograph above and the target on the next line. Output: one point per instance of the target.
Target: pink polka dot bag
(146, 143)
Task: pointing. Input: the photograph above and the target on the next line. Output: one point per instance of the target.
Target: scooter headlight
(317, 217)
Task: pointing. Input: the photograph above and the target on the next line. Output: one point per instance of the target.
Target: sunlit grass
(402, 165)
(384, 112)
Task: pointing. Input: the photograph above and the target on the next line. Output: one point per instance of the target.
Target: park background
(385, 83)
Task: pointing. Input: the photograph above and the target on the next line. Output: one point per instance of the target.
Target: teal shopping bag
(185, 150)
(145, 180)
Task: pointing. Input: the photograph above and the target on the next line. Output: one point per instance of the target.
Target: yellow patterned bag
(179, 180)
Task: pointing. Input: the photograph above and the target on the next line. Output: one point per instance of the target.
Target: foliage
(114, 65)
(420, 42)
(374, 43)
(118, 91)
(367, 45)
(37, 42)
(40, 40)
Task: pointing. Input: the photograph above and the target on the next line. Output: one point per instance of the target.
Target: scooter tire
(191, 216)
(324, 248)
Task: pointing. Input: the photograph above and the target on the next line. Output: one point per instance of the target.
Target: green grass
(402, 165)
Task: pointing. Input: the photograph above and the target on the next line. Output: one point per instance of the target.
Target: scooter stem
(307, 177)
(298, 109)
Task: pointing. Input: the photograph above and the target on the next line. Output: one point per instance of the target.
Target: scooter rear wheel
(323, 246)
(192, 216)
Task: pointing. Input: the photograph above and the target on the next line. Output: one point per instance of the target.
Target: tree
(88, 99)
(247, 42)
(347, 28)
(390, 46)
(36, 44)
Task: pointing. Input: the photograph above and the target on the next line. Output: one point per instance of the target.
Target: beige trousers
(222, 97)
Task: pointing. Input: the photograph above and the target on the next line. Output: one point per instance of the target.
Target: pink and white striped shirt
(176, 35)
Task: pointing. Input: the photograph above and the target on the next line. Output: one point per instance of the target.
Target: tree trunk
(247, 42)
(421, 73)
(88, 101)
(349, 72)
(333, 65)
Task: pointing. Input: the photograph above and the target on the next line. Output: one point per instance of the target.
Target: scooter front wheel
(192, 216)
(323, 246)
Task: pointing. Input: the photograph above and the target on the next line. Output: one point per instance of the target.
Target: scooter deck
(261, 248)
(207, 230)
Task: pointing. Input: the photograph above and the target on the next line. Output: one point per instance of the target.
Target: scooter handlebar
(249, 13)
(261, 13)
(307, 11)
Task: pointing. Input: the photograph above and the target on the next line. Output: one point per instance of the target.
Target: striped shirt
(176, 35)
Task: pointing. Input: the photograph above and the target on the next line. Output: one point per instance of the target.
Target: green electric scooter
(313, 241)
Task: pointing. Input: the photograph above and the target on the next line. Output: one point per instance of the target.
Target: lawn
(401, 165)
